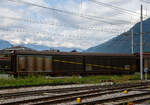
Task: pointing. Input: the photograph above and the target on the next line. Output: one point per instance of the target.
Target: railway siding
(53, 97)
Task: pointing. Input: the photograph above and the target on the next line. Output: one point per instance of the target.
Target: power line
(51, 8)
(146, 1)
(94, 28)
(66, 35)
(115, 7)
(46, 32)
(89, 17)
(19, 30)
(55, 34)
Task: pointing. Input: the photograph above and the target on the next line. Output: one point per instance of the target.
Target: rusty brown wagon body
(5, 63)
(111, 64)
(61, 63)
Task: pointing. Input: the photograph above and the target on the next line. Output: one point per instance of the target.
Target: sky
(67, 23)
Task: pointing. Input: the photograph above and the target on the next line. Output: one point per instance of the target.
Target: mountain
(35, 47)
(4, 44)
(122, 43)
(22, 48)
(42, 47)
(65, 49)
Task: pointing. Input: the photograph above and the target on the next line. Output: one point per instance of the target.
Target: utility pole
(141, 44)
(132, 50)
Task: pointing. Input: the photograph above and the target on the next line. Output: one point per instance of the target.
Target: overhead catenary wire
(56, 35)
(124, 21)
(49, 8)
(91, 28)
(68, 36)
(115, 7)
(44, 32)
(75, 15)
(146, 1)
(89, 17)
(94, 28)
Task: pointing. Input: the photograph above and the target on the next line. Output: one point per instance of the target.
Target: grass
(149, 102)
(36, 80)
(2, 72)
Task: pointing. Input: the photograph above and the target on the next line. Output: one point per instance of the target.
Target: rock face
(122, 43)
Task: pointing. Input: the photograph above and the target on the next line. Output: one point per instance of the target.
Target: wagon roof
(66, 53)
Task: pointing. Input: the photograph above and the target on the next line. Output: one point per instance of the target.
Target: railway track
(71, 96)
(66, 90)
(120, 100)
(40, 92)
(135, 100)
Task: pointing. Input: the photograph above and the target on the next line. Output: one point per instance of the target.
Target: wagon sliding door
(34, 64)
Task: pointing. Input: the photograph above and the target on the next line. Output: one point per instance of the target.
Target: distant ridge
(122, 43)
(42, 47)
(4, 44)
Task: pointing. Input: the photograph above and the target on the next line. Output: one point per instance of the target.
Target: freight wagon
(146, 61)
(5, 63)
(60, 63)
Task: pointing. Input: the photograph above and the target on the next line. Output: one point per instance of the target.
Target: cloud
(57, 29)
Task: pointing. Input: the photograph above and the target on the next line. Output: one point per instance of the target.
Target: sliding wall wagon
(60, 63)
